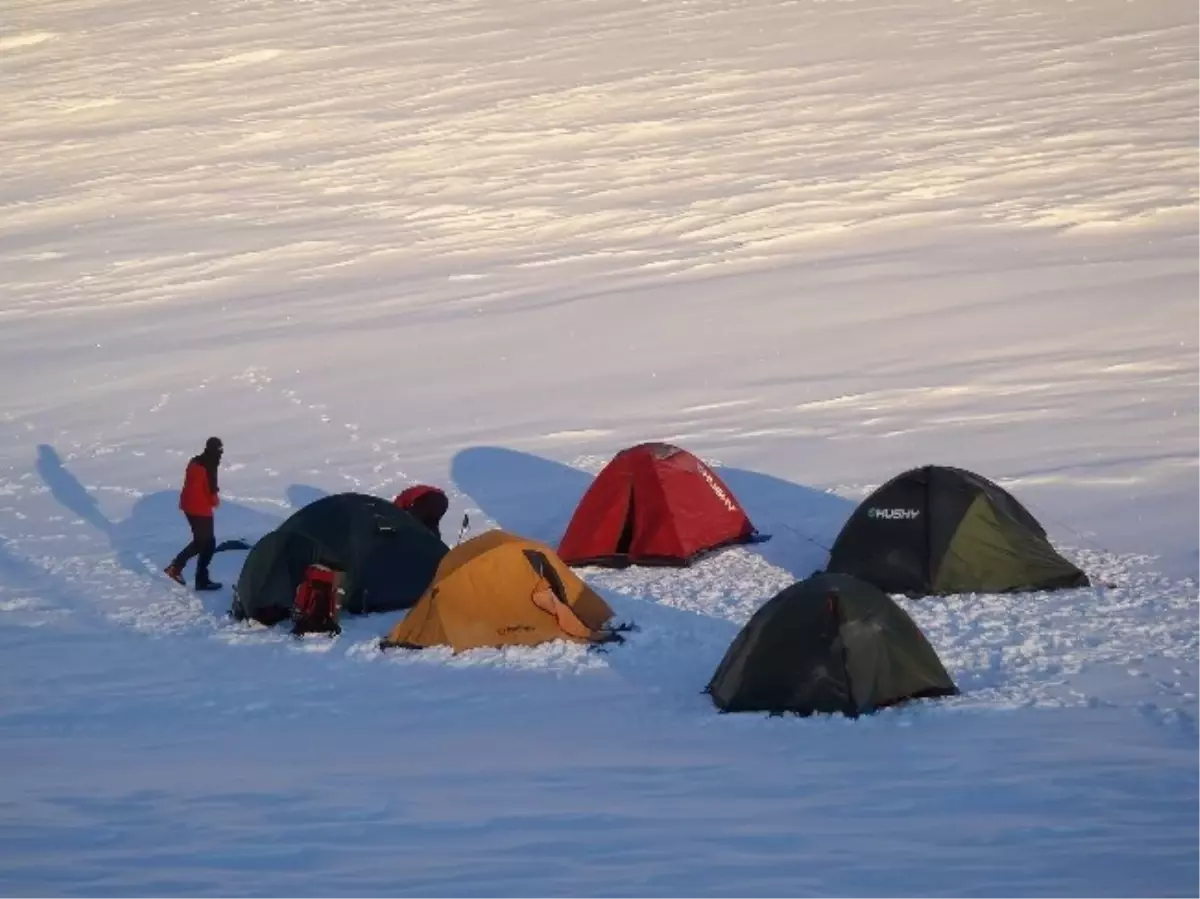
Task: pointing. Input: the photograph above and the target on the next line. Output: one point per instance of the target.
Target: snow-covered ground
(486, 245)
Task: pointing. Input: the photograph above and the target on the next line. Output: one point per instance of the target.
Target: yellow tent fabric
(499, 589)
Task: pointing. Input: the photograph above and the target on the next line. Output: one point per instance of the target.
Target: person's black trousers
(204, 544)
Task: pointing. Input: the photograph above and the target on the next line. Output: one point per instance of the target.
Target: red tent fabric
(653, 504)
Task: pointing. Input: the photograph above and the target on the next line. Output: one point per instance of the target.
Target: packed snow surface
(486, 245)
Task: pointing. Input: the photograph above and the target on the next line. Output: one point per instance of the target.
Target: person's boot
(207, 584)
(175, 573)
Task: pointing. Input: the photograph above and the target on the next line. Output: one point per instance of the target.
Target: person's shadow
(155, 529)
(536, 497)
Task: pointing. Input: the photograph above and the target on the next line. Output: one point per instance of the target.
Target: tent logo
(716, 488)
(893, 514)
(514, 629)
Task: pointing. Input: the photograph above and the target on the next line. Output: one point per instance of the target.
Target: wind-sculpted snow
(487, 245)
(341, 142)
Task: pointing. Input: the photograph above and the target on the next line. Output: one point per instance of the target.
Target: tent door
(545, 570)
(626, 538)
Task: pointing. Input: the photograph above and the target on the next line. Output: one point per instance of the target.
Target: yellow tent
(498, 589)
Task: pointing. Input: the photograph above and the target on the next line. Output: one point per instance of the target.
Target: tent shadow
(803, 522)
(522, 493)
(156, 512)
(535, 497)
(155, 530)
(301, 495)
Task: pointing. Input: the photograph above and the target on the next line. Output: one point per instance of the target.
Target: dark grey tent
(388, 557)
(938, 530)
(831, 643)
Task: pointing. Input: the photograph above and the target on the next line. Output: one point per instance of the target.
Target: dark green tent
(388, 556)
(831, 643)
(938, 530)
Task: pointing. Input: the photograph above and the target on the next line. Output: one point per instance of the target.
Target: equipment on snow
(318, 600)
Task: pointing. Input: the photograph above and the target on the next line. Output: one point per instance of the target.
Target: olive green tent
(388, 557)
(831, 643)
(939, 530)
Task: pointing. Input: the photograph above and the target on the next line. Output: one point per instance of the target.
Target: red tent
(653, 504)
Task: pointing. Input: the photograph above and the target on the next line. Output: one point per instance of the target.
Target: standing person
(198, 499)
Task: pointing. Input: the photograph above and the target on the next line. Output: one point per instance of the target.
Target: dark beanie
(213, 445)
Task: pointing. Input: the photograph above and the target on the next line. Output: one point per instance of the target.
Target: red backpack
(318, 599)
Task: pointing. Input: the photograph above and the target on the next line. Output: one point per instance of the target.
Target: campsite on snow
(846, 647)
(619, 448)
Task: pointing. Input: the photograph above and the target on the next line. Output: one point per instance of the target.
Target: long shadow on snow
(535, 497)
(522, 493)
(803, 522)
(155, 529)
(301, 495)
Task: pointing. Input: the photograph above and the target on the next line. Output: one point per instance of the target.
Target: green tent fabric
(828, 644)
(940, 530)
(388, 557)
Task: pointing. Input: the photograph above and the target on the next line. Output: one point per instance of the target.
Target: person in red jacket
(198, 499)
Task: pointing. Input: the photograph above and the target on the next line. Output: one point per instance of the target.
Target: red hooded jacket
(199, 495)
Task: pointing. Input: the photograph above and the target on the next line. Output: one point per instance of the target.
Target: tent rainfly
(938, 530)
(498, 589)
(654, 504)
(828, 644)
(387, 556)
